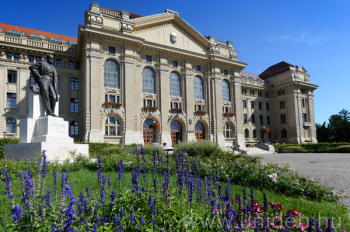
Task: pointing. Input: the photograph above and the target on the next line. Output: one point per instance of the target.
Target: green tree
(339, 126)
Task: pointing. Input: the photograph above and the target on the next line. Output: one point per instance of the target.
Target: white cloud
(302, 37)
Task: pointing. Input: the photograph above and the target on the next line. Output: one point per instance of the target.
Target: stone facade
(156, 69)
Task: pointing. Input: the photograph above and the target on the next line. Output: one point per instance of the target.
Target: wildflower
(273, 177)
(17, 213)
(141, 221)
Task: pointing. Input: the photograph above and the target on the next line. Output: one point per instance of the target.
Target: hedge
(343, 147)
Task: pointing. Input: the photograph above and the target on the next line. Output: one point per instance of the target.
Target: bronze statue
(45, 76)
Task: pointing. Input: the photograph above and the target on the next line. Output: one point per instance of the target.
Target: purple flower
(94, 227)
(109, 182)
(213, 203)
(47, 198)
(40, 211)
(155, 185)
(112, 199)
(55, 179)
(227, 191)
(141, 221)
(135, 180)
(132, 219)
(103, 188)
(87, 192)
(190, 190)
(265, 202)
(120, 170)
(8, 192)
(44, 167)
(17, 213)
(122, 214)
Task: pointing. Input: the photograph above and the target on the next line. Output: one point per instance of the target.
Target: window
(304, 91)
(74, 83)
(149, 58)
(148, 81)
(117, 99)
(262, 134)
(259, 93)
(111, 50)
(283, 118)
(303, 102)
(267, 106)
(252, 104)
(111, 74)
(269, 134)
(74, 106)
(175, 63)
(58, 81)
(252, 92)
(71, 64)
(283, 91)
(176, 105)
(244, 91)
(112, 126)
(266, 94)
(198, 88)
(268, 120)
(11, 125)
(198, 68)
(73, 129)
(31, 79)
(77, 65)
(244, 104)
(111, 98)
(12, 76)
(282, 104)
(246, 133)
(31, 59)
(284, 133)
(245, 118)
(38, 59)
(253, 118)
(254, 133)
(260, 119)
(58, 63)
(149, 103)
(199, 107)
(175, 85)
(225, 91)
(16, 57)
(11, 100)
(304, 117)
(225, 72)
(228, 130)
(260, 106)
(9, 55)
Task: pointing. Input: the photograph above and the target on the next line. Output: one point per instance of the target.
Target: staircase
(256, 150)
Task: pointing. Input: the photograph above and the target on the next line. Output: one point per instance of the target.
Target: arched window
(199, 126)
(225, 91)
(112, 126)
(284, 133)
(198, 88)
(147, 124)
(246, 133)
(176, 132)
(148, 81)
(11, 125)
(254, 134)
(73, 129)
(228, 130)
(175, 85)
(112, 74)
(199, 133)
(175, 125)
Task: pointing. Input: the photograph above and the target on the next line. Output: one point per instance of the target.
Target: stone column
(3, 93)
(311, 118)
(239, 114)
(94, 133)
(190, 106)
(220, 139)
(22, 77)
(165, 106)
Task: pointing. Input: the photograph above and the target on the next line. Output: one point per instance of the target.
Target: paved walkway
(331, 168)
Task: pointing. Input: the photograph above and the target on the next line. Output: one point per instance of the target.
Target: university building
(129, 79)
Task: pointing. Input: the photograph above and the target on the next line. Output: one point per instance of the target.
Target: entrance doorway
(199, 131)
(176, 132)
(149, 134)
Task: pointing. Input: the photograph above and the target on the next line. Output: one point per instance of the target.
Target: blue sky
(313, 34)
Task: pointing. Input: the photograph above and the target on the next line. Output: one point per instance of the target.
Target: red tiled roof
(276, 69)
(29, 31)
(132, 15)
(250, 75)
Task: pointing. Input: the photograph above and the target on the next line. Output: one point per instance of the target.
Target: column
(239, 114)
(311, 118)
(190, 106)
(22, 88)
(165, 106)
(220, 139)
(3, 98)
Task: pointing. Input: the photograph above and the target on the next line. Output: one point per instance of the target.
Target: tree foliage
(337, 130)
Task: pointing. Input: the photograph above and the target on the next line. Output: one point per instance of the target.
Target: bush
(314, 147)
(342, 149)
(202, 148)
(2, 145)
(293, 149)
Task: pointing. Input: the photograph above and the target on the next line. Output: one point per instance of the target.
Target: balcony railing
(111, 105)
(148, 109)
(200, 113)
(13, 39)
(228, 114)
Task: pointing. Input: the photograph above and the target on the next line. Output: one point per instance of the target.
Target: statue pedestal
(40, 132)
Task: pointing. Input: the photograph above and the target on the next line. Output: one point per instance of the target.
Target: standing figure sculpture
(45, 76)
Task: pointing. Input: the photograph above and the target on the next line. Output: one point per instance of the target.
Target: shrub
(293, 149)
(202, 148)
(314, 147)
(2, 145)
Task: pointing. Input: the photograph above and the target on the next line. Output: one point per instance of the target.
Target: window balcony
(307, 124)
(111, 105)
(229, 115)
(200, 113)
(149, 109)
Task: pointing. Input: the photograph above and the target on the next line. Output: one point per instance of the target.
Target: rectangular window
(106, 98)
(77, 65)
(303, 91)
(111, 50)
(38, 59)
(225, 72)
(282, 104)
(226, 110)
(31, 79)
(259, 93)
(149, 58)
(266, 94)
(303, 102)
(260, 106)
(267, 106)
(279, 93)
(260, 119)
(106, 130)
(283, 91)
(198, 107)
(58, 63)
(198, 68)
(117, 99)
(175, 63)
(9, 55)
(74, 106)
(253, 118)
(74, 83)
(252, 104)
(304, 117)
(245, 118)
(12, 76)
(268, 120)
(283, 118)
(175, 105)
(111, 98)
(16, 57)
(31, 59)
(71, 64)
(244, 104)
(252, 92)
(112, 130)
(149, 103)
(11, 100)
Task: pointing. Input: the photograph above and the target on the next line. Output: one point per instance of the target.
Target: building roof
(30, 31)
(276, 69)
(132, 15)
(250, 75)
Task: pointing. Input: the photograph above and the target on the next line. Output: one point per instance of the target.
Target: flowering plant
(265, 130)
(154, 126)
(174, 110)
(151, 108)
(230, 114)
(201, 112)
(113, 104)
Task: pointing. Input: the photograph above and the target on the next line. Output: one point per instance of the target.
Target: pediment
(302, 69)
(159, 29)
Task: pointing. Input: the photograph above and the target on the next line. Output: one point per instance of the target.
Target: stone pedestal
(40, 132)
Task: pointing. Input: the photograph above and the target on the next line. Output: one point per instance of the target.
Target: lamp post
(4, 134)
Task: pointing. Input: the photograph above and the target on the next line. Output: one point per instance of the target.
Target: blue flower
(17, 213)
(141, 221)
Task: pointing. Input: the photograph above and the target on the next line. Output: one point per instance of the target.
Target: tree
(339, 126)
